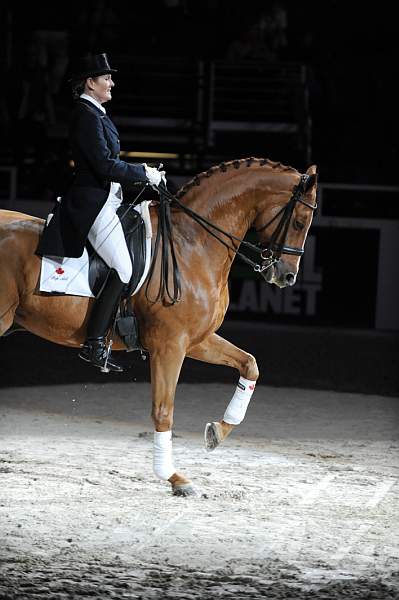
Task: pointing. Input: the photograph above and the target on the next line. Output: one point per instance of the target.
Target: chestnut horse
(233, 196)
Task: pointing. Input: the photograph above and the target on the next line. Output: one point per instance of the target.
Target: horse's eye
(298, 225)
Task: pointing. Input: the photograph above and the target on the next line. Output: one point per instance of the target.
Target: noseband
(276, 246)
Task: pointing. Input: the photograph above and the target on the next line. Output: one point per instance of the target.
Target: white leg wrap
(163, 459)
(235, 412)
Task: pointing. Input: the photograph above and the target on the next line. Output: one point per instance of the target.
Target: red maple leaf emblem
(252, 386)
(60, 271)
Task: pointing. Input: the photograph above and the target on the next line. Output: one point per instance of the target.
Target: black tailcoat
(95, 150)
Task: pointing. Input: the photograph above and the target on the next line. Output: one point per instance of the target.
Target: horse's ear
(312, 170)
(311, 182)
(312, 178)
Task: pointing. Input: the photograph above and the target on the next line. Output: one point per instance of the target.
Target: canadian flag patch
(252, 386)
(60, 271)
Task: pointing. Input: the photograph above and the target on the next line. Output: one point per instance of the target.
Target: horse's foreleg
(165, 370)
(216, 350)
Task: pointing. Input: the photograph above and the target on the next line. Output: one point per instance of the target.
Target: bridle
(269, 252)
(276, 246)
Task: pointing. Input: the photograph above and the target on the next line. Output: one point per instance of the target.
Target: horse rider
(88, 209)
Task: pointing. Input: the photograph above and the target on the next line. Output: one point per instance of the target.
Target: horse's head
(283, 223)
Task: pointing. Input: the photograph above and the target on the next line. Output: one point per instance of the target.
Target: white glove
(162, 173)
(154, 176)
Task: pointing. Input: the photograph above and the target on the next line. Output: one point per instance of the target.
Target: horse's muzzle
(280, 274)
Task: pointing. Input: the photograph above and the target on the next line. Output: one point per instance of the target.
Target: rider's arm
(88, 135)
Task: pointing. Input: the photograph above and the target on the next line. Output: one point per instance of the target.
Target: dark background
(350, 54)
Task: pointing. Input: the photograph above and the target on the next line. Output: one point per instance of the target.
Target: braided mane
(236, 164)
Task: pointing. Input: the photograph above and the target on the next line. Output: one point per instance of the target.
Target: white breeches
(107, 237)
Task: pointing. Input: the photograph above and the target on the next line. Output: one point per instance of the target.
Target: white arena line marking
(381, 491)
(147, 538)
(288, 534)
(353, 540)
(316, 489)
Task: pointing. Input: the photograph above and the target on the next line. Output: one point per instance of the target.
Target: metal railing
(257, 97)
(195, 103)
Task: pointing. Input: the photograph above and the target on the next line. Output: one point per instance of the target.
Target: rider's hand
(154, 176)
(163, 173)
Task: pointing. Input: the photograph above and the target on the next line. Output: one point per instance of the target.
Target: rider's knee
(125, 272)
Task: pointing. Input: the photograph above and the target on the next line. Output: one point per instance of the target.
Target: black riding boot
(100, 320)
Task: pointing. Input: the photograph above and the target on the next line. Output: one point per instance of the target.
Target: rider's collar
(93, 101)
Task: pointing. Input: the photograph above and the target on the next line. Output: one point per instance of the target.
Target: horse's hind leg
(215, 350)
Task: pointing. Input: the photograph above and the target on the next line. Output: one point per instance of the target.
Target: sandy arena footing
(300, 502)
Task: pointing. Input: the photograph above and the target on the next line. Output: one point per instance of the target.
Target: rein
(208, 226)
(270, 252)
(164, 233)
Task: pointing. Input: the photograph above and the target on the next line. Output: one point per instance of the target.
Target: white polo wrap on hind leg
(235, 412)
(163, 459)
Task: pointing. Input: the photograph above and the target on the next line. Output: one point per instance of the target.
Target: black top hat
(91, 65)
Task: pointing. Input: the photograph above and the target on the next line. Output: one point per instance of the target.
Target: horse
(233, 196)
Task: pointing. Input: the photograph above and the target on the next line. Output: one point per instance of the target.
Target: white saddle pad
(71, 275)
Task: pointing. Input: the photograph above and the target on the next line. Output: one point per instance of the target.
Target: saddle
(135, 234)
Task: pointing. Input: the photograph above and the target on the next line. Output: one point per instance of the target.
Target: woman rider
(88, 209)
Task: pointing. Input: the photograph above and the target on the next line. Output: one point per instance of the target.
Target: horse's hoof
(184, 489)
(211, 435)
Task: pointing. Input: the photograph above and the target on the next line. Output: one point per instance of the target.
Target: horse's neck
(226, 202)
